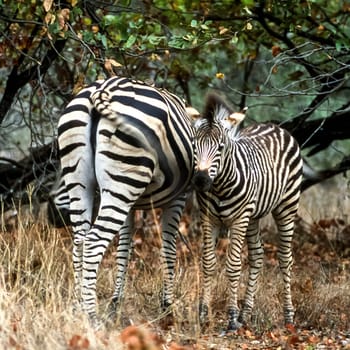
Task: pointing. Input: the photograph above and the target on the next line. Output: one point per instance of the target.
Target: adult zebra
(133, 142)
(241, 177)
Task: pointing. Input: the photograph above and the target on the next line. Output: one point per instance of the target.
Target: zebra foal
(135, 144)
(240, 177)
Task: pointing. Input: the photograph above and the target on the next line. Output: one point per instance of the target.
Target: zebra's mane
(218, 112)
(216, 108)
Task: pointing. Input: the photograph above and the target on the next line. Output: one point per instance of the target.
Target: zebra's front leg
(123, 253)
(233, 271)
(170, 224)
(255, 257)
(208, 267)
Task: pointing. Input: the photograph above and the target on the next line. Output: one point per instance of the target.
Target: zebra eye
(221, 146)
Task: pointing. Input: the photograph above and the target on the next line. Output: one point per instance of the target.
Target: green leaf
(88, 36)
(77, 11)
(177, 42)
(54, 28)
(136, 24)
(130, 42)
(234, 39)
(188, 37)
(109, 20)
(194, 23)
(103, 39)
(339, 45)
(155, 40)
(248, 3)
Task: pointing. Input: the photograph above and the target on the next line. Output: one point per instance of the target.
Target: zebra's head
(214, 131)
(209, 143)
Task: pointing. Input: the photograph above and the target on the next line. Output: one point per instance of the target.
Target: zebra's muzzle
(201, 181)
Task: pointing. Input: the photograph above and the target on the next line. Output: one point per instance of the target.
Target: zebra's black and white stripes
(133, 142)
(239, 179)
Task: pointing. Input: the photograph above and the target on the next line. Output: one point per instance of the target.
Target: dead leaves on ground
(289, 338)
(326, 243)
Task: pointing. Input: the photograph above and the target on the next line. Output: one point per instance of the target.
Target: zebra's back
(273, 156)
(150, 134)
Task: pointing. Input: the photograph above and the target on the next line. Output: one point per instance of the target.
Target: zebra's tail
(101, 100)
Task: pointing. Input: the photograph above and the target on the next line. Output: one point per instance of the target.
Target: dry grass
(36, 289)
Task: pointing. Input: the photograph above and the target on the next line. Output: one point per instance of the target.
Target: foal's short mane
(214, 106)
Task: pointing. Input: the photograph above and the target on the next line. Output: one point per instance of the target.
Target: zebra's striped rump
(253, 172)
(133, 143)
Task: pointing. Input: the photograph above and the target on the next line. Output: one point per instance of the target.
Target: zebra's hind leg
(78, 241)
(81, 207)
(123, 254)
(81, 222)
(285, 224)
(107, 224)
(256, 257)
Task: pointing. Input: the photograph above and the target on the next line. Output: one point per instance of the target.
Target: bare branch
(17, 80)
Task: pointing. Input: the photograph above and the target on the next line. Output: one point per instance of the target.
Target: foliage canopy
(288, 61)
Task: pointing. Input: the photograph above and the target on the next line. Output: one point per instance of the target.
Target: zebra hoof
(167, 308)
(167, 319)
(244, 317)
(233, 323)
(233, 326)
(288, 317)
(77, 307)
(96, 323)
(203, 313)
(111, 315)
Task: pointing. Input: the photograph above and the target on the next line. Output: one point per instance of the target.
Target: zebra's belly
(159, 193)
(228, 212)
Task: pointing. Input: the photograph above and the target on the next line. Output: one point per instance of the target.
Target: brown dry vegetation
(36, 288)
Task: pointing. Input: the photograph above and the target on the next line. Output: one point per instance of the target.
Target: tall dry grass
(36, 286)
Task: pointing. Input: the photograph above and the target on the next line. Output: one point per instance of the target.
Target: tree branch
(312, 177)
(320, 133)
(16, 176)
(17, 80)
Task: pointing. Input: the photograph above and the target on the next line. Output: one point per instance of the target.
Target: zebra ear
(235, 118)
(192, 113)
